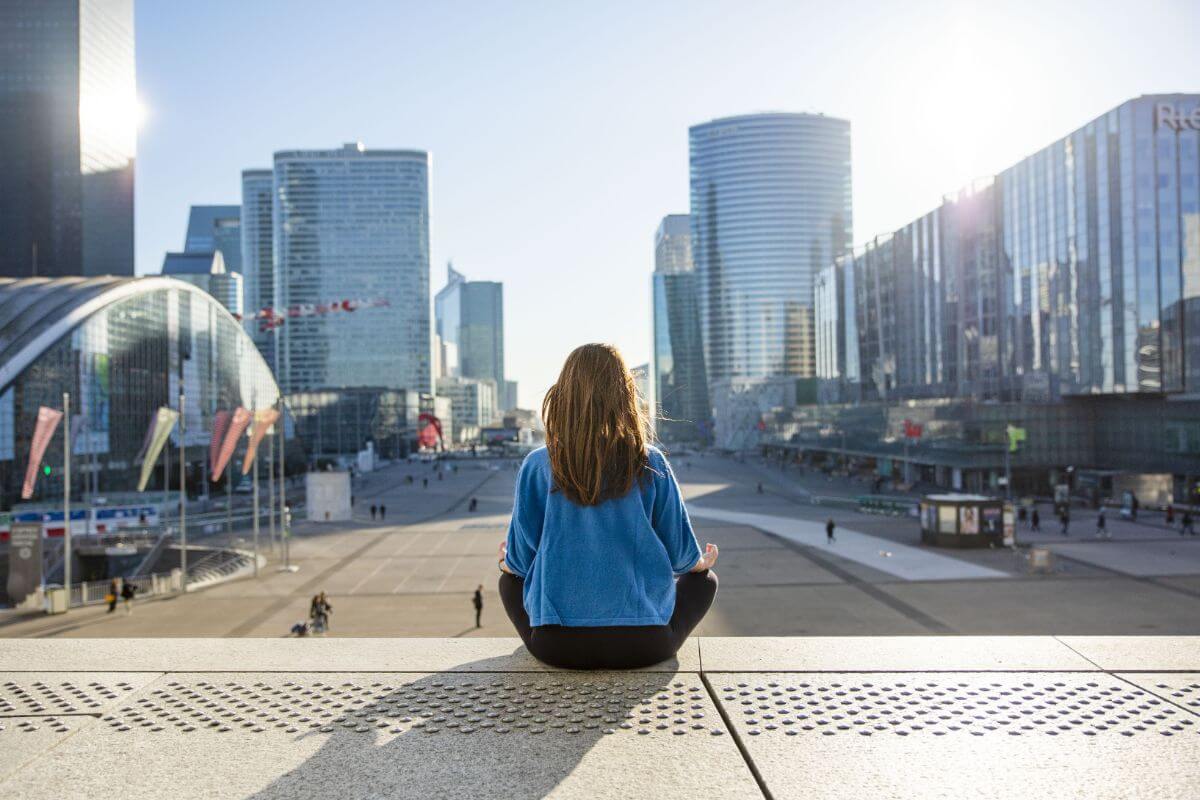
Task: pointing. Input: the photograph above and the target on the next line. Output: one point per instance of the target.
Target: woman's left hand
(708, 560)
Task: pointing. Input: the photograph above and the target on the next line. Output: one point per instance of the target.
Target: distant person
(474, 504)
(127, 592)
(1065, 520)
(1102, 526)
(424, 483)
(373, 509)
(760, 491)
(477, 601)
(829, 526)
(1171, 515)
(382, 511)
(319, 610)
(1035, 521)
(114, 594)
(581, 585)
(1186, 524)
(1133, 507)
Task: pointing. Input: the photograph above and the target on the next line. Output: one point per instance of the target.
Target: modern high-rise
(1063, 296)
(216, 229)
(770, 207)
(68, 136)
(257, 258)
(469, 322)
(352, 225)
(679, 385)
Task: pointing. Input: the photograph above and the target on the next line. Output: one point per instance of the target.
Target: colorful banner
(237, 426)
(220, 425)
(263, 420)
(47, 422)
(164, 421)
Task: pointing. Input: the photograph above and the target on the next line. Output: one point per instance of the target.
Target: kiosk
(966, 520)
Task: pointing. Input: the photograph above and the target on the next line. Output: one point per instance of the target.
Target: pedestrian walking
(477, 601)
(760, 491)
(373, 511)
(127, 593)
(111, 597)
(1102, 526)
(1170, 515)
(1065, 519)
(474, 504)
(1186, 524)
(829, 526)
(382, 511)
(1133, 507)
(424, 483)
(1035, 521)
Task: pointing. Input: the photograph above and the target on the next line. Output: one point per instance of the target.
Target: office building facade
(68, 136)
(352, 224)
(473, 406)
(257, 258)
(770, 207)
(1071, 279)
(216, 229)
(469, 322)
(679, 388)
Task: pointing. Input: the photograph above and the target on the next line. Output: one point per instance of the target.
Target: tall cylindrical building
(770, 207)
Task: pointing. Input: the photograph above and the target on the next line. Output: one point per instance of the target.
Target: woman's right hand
(708, 560)
(504, 556)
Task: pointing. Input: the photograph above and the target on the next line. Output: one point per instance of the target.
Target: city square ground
(413, 573)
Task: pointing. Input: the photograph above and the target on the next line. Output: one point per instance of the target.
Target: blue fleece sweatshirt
(609, 564)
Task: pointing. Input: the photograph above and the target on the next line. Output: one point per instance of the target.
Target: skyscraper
(349, 225)
(216, 228)
(469, 321)
(679, 384)
(770, 203)
(257, 260)
(68, 135)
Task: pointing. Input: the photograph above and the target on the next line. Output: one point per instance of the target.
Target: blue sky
(558, 131)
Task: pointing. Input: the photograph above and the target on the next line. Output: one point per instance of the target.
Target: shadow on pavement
(486, 732)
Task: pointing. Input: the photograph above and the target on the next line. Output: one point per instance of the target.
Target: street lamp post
(67, 496)
(182, 492)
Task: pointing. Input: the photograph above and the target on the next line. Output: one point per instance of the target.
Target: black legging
(615, 647)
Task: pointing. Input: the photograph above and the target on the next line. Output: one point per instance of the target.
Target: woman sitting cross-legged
(601, 569)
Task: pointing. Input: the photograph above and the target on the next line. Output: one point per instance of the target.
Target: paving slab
(22, 739)
(1180, 688)
(887, 653)
(1139, 558)
(953, 735)
(1138, 653)
(287, 655)
(370, 735)
(57, 694)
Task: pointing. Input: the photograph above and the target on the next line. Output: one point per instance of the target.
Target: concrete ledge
(892, 654)
(897, 717)
(289, 655)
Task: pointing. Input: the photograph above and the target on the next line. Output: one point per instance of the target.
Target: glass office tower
(770, 197)
(257, 259)
(68, 135)
(216, 228)
(469, 319)
(353, 225)
(679, 385)
(1076, 272)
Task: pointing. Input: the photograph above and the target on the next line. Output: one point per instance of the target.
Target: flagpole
(67, 496)
(255, 515)
(182, 492)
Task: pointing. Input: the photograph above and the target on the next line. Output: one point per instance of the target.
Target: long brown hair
(595, 430)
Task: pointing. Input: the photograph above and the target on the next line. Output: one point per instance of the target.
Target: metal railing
(90, 593)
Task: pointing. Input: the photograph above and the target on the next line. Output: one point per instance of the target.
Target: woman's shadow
(480, 729)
